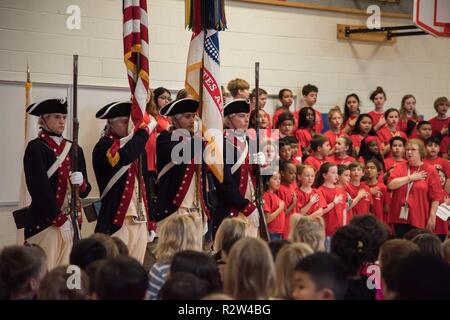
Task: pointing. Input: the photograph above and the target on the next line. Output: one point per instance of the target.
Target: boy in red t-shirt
(320, 146)
(286, 97)
(440, 123)
(378, 190)
(286, 192)
(274, 208)
(284, 149)
(397, 152)
(433, 145)
(359, 192)
(424, 130)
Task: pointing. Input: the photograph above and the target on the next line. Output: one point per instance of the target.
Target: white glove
(151, 236)
(66, 231)
(253, 218)
(259, 158)
(76, 178)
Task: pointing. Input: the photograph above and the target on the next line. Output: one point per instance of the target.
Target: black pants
(402, 228)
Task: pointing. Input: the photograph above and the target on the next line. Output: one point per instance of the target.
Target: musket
(263, 231)
(74, 203)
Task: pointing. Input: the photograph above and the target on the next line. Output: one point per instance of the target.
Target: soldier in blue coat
(182, 175)
(125, 211)
(237, 191)
(49, 178)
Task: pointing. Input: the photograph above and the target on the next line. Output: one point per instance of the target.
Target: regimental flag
(30, 132)
(202, 82)
(135, 46)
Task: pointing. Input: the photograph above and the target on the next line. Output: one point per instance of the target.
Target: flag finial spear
(28, 72)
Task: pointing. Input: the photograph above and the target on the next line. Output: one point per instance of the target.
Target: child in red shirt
(296, 155)
(335, 198)
(408, 116)
(274, 208)
(285, 124)
(432, 145)
(440, 123)
(424, 130)
(378, 97)
(310, 93)
(378, 190)
(351, 112)
(286, 192)
(441, 228)
(343, 151)
(309, 200)
(305, 132)
(397, 152)
(335, 123)
(392, 117)
(363, 128)
(284, 149)
(320, 147)
(286, 97)
(359, 192)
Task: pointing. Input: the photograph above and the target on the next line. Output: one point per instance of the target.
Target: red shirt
(271, 204)
(386, 135)
(363, 206)
(390, 162)
(334, 218)
(438, 124)
(332, 137)
(444, 145)
(281, 110)
(314, 162)
(304, 137)
(441, 163)
(379, 201)
(337, 160)
(403, 125)
(376, 116)
(150, 146)
(351, 118)
(303, 199)
(422, 193)
(441, 225)
(285, 193)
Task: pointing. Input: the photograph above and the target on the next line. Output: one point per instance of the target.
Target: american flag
(135, 45)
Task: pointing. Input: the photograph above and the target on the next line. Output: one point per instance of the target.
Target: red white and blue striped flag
(135, 46)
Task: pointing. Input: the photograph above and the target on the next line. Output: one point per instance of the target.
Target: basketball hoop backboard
(433, 16)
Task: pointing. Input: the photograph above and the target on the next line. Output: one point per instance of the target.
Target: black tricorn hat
(48, 106)
(114, 110)
(179, 106)
(236, 106)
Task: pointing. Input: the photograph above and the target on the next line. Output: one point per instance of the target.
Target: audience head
(310, 231)
(64, 283)
(22, 269)
(320, 276)
(285, 264)
(121, 278)
(184, 286)
(87, 251)
(249, 273)
(199, 264)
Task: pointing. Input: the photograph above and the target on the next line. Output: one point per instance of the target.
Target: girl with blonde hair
(178, 233)
(308, 230)
(250, 272)
(285, 264)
